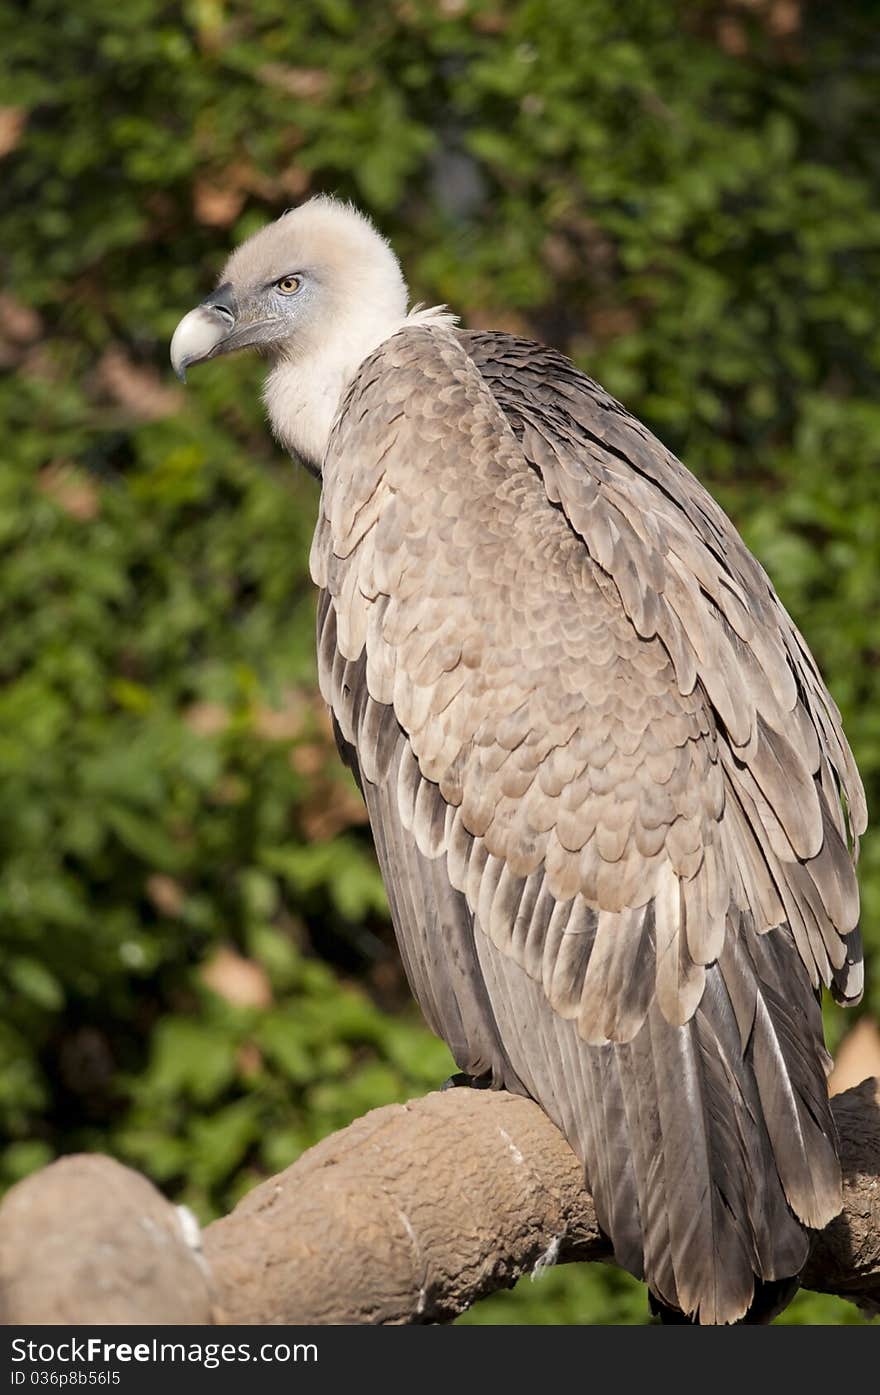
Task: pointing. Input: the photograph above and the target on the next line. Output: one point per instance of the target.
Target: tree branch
(409, 1215)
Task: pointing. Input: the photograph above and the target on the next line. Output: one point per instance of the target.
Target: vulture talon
(462, 1081)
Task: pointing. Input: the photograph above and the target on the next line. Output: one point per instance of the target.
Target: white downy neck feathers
(354, 298)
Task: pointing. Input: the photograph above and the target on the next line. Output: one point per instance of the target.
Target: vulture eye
(288, 285)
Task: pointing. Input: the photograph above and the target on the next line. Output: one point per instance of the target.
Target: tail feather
(779, 1242)
(708, 1147)
(787, 1054)
(771, 1298)
(705, 1177)
(746, 1134)
(635, 1065)
(604, 1080)
(848, 982)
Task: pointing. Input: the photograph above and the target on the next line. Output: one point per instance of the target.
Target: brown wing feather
(683, 574)
(527, 695)
(558, 806)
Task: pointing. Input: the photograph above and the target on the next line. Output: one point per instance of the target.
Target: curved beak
(205, 331)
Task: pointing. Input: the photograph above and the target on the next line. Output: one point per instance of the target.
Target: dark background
(198, 971)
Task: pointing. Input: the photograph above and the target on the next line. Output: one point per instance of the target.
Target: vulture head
(315, 292)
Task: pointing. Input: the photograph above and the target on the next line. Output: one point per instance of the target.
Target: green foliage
(579, 1294)
(197, 966)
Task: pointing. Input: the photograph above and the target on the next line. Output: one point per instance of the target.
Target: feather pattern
(602, 772)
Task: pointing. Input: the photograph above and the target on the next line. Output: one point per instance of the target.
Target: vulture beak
(206, 331)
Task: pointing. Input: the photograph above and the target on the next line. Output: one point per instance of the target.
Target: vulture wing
(604, 779)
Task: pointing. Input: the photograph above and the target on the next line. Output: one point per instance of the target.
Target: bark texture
(409, 1215)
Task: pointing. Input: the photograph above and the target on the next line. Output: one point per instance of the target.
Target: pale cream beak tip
(197, 335)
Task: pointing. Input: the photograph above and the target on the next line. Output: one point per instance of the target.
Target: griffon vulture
(613, 805)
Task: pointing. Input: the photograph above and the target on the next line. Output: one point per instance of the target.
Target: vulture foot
(470, 1082)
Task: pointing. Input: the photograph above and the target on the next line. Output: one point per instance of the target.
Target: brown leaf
(207, 718)
(166, 894)
(217, 205)
(12, 124)
(249, 1059)
(18, 322)
(71, 489)
(732, 37)
(294, 181)
(240, 981)
(311, 84)
(309, 758)
(784, 18)
(491, 22)
(135, 387)
(282, 723)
